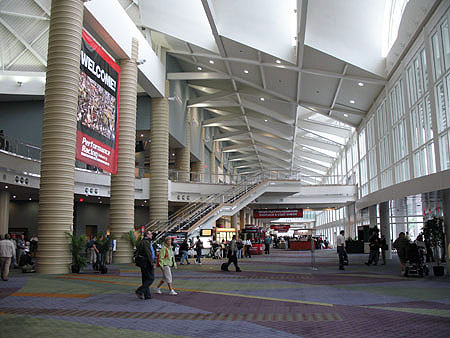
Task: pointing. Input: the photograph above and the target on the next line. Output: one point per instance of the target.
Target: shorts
(167, 274)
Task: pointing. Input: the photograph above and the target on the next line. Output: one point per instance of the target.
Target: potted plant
(77, 245)
(134, 241)
(434, 233)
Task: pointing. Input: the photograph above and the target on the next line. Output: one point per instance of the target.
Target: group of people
(16, 252)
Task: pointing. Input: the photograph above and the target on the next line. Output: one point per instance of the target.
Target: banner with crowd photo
(98, 107)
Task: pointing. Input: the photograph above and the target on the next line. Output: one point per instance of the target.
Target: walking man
(340, 243)
(232, 256)
(267, 242)
(198, 249)
(146, 250)
(7, 251)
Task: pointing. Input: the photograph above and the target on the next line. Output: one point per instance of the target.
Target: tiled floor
(277, 295)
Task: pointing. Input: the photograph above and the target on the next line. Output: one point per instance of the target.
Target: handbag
(141, 261)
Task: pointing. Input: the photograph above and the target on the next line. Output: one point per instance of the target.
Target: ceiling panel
(282, 81)
(318, 89)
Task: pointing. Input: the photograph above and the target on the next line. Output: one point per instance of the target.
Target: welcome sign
(98, 107)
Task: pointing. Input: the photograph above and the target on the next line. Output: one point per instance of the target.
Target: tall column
(159, 157)
(183, 155)
(234, 222)
(241, 219)
(386, 226)
(446, 211)
(122, 184)
(212, 167)
(59, 136)
(4, 212)
(199, 167)
(222, 175)
(373, 216)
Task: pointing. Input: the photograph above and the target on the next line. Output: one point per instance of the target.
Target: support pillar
(372, 216)
(159, 155)
(183, 155)
(59, 127)
(386, 226)
(241, 219)
(234, 223)
(4, 212)
(446, 212)
(198, 168)
(212, 167)
(122, 184)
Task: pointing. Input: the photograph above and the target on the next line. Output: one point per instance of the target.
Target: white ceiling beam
(204, 89)
(336, 118)
(313, 165)
(210, 97)
(309, 172)
(242, 158)
(336, 93)
(220, 119)
(18, 56)
(197, 76)
(214, 104)
(248, 165)
(281, 130)
(237, 147)
(314, 156)
(318, 144)
(283, 156)
(376, 81)
(261, 71)
(42, 6)
(324, 128)
(267, 112)
(238, 135)
(23, 15)
(24, 42)
(270, 141)
(220, 112)
(313, 106)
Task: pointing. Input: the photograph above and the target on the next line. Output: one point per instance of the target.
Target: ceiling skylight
(393, 12)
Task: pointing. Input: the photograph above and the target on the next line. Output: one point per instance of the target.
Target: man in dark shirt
(401, 244)
(26, 262)
(145, 249)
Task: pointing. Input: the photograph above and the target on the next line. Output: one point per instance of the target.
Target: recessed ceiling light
(173, 154)
(142, 135)
(211, 62)
(245, 71)
(278, 61)
(6, 187)
(265, 120)
(352, 101)
(360, 84)
(29, 199)
(345, 115)
(199, 68)
(261, 98)
(14, 196)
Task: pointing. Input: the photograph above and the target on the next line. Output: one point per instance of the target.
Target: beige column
(234, 223)
(242, 219)
(159, 157)
(184, 154)
(4, 212)
(212, 167)
(59, 136)
(199, 167)
(122, 184)
(222, 175)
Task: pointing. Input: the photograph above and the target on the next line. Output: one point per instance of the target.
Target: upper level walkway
(276, 295)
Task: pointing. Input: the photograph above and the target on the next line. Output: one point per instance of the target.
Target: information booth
(225, 234)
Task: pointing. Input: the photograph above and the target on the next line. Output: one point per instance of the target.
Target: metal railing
(18, 147)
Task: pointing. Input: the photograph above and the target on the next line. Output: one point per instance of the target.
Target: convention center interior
(212, 168)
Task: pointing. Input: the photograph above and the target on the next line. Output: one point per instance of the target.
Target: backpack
(239, 245)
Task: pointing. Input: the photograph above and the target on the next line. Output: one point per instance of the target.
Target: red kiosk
(256, 235)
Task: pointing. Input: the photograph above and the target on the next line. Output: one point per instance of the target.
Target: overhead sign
(278, 213)
(280, 227)
(98, 107)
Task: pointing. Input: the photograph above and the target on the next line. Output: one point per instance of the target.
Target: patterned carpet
(277, 295)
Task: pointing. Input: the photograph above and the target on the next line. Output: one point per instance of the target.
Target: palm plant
(77, 245)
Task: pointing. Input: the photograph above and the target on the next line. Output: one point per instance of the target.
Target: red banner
(98, 107)
(280, 228)
(278, 213)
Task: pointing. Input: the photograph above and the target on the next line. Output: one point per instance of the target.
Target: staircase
(198, 212)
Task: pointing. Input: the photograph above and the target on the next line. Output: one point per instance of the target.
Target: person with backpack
(144, 259)
(240, 246)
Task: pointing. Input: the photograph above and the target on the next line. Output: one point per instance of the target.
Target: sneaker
(173, 293)
(158, 291)
(139, 295)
